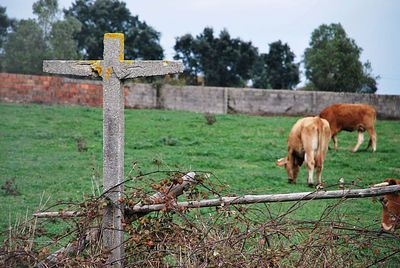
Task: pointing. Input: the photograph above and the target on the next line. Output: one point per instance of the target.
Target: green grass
(38, 147)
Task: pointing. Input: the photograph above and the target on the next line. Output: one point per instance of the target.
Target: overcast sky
(373, 24)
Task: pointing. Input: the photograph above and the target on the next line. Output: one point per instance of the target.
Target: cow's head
(391, 208)
(292, 168)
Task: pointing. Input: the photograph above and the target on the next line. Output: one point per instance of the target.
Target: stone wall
(289, 102)
(58, 90)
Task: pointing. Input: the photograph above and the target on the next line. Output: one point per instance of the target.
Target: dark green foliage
(184, 48)
(332, 62)
(276, 69)
(25, 48)
(5, 24)
(222, 61)
(107, 16)
(62, 44)
(32, 41)
(5, 27)
(47, 12)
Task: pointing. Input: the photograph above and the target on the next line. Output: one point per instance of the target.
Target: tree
(57, 33)
(332, 62)
(25, 48)
(276, 69)
(47, 37)
(5, 24)
(184, 48)
(61, 42)
(369, 80)
(102, 16)
(222, 61)
(47, 12)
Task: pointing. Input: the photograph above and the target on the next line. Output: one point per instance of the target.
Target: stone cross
(113, 69)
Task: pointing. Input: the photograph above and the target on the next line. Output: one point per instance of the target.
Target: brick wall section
(19, 88)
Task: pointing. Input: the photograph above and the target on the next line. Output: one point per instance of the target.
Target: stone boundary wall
(188, 98)
(17, 88)
(289, 102)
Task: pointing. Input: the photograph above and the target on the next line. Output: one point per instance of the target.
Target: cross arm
(132, 69)
(73, 67)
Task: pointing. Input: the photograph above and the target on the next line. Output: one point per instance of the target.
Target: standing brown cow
(350, 117)
(308, 141)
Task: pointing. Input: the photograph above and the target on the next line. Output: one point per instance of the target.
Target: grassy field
(54, 152)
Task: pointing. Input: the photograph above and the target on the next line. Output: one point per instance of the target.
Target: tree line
(331, 62)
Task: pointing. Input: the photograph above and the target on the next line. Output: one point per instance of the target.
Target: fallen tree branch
(251, 199)
(245, 199)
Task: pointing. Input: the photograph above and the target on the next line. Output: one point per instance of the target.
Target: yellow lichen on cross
(96, 66)
(119, 36)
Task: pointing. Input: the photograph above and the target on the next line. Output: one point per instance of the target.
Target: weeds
(81, 144)
(210, 118)
(10, 187)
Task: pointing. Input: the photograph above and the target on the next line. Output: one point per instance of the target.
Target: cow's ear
(281, 162)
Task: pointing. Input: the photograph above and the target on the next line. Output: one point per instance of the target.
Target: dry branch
(58, 214)
(170, 193)
(177, 190)
(251, 199)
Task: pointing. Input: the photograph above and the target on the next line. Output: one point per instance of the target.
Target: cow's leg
(310, 168)
(372, 139)
(334, 138)
(319, 174)
(360, 140)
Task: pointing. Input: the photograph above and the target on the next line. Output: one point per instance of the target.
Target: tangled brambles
(226, 236)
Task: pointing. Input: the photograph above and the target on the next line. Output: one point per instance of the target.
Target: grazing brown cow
(308, 141)
(391, 207)
(350, 117)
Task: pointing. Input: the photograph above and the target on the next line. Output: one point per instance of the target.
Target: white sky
(373, 24)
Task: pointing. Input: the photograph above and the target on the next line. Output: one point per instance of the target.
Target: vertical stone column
(113, 147)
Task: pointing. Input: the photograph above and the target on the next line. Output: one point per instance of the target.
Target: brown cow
(350, 117)
(391, 207)
(308, 141)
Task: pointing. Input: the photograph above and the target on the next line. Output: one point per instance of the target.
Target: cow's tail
(322, 143)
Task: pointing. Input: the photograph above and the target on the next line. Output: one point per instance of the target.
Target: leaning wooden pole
(142, 209)
(270, 198)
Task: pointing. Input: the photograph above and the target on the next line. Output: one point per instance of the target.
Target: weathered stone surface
(133, 69)
(289, 102)
(195, 99)
(70, 67)
(113, 150)
(140, 96)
